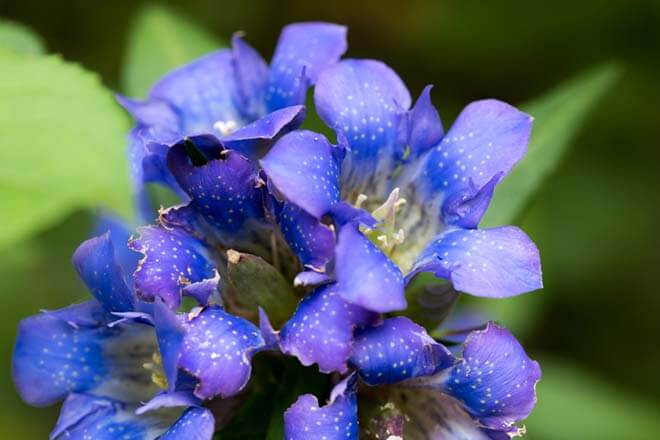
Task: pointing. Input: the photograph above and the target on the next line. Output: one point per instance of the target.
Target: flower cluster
(280, 228)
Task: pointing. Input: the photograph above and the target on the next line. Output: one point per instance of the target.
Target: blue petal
(120, 233)
(54, 355)
(366, 102)
(321, 329)
(255, 138)
(496, 380)
(172, 399)
(365, 276)
(252, 76)
(486, 140)
(173, 259)
(74, 350)
(170, 332)
(90, 417)
(495, 263)
(202, 93)
(303, 51)
(226, 191)
(96, 264)
(304, 167)
(271, 337)
(424, 124)
(465, 207)
(338, 420)
(396, 350)
(195, 423)
(217, 349)
(136, 153)
(84, 416)
(152, 113)
(312, 241)
(310, 278)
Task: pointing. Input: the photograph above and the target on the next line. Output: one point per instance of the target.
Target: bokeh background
(595, 326)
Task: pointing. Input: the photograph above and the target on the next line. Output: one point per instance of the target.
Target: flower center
(389, 235)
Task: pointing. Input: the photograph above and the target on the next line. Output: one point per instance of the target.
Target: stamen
(387, 237)
(156, 369)
(226, 127)
(361, 198)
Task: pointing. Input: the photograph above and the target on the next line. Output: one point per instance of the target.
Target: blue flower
(428, 190)
(106, 356)
(479, 396)
(232, 93)
(347, 225)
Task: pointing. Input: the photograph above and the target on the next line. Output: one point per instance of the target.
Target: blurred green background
(595, 325)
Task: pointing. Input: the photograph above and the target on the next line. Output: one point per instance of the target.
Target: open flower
(232, 93)
(427, 189)
(109, 355)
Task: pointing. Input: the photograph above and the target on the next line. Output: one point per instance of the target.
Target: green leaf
(161, 40)
(62, 143)
(558, 115)
(574, 405)
(20, 39)
(31, 210)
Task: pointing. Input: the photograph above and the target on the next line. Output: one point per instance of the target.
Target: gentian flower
(428, 189)
(107, 356)
(421, 391)
(232, 93)
(277, 225)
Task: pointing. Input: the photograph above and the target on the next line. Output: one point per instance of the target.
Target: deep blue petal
(217, 349)
(86, 417)
(366, 102)
(226, 191)
(98, 268)
(395, 350)
(151, 113)
(255, 138)
(496, 263)
(337, 420)
(90, 417)
(195, 423)
(173, 259)
(312, 241)
(424, 124)
(321, 329)
(120, 233)
(54, 356)
(465, 207)
(136, 153)
(73, 350)
(496, 380)
(202, 93)
(485, 141)
(170, 332)
(303, 48)
(305, 168)
(365, 276)
(252, 76)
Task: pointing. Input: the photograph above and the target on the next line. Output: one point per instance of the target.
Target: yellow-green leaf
(19, 38)
(62, 143)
